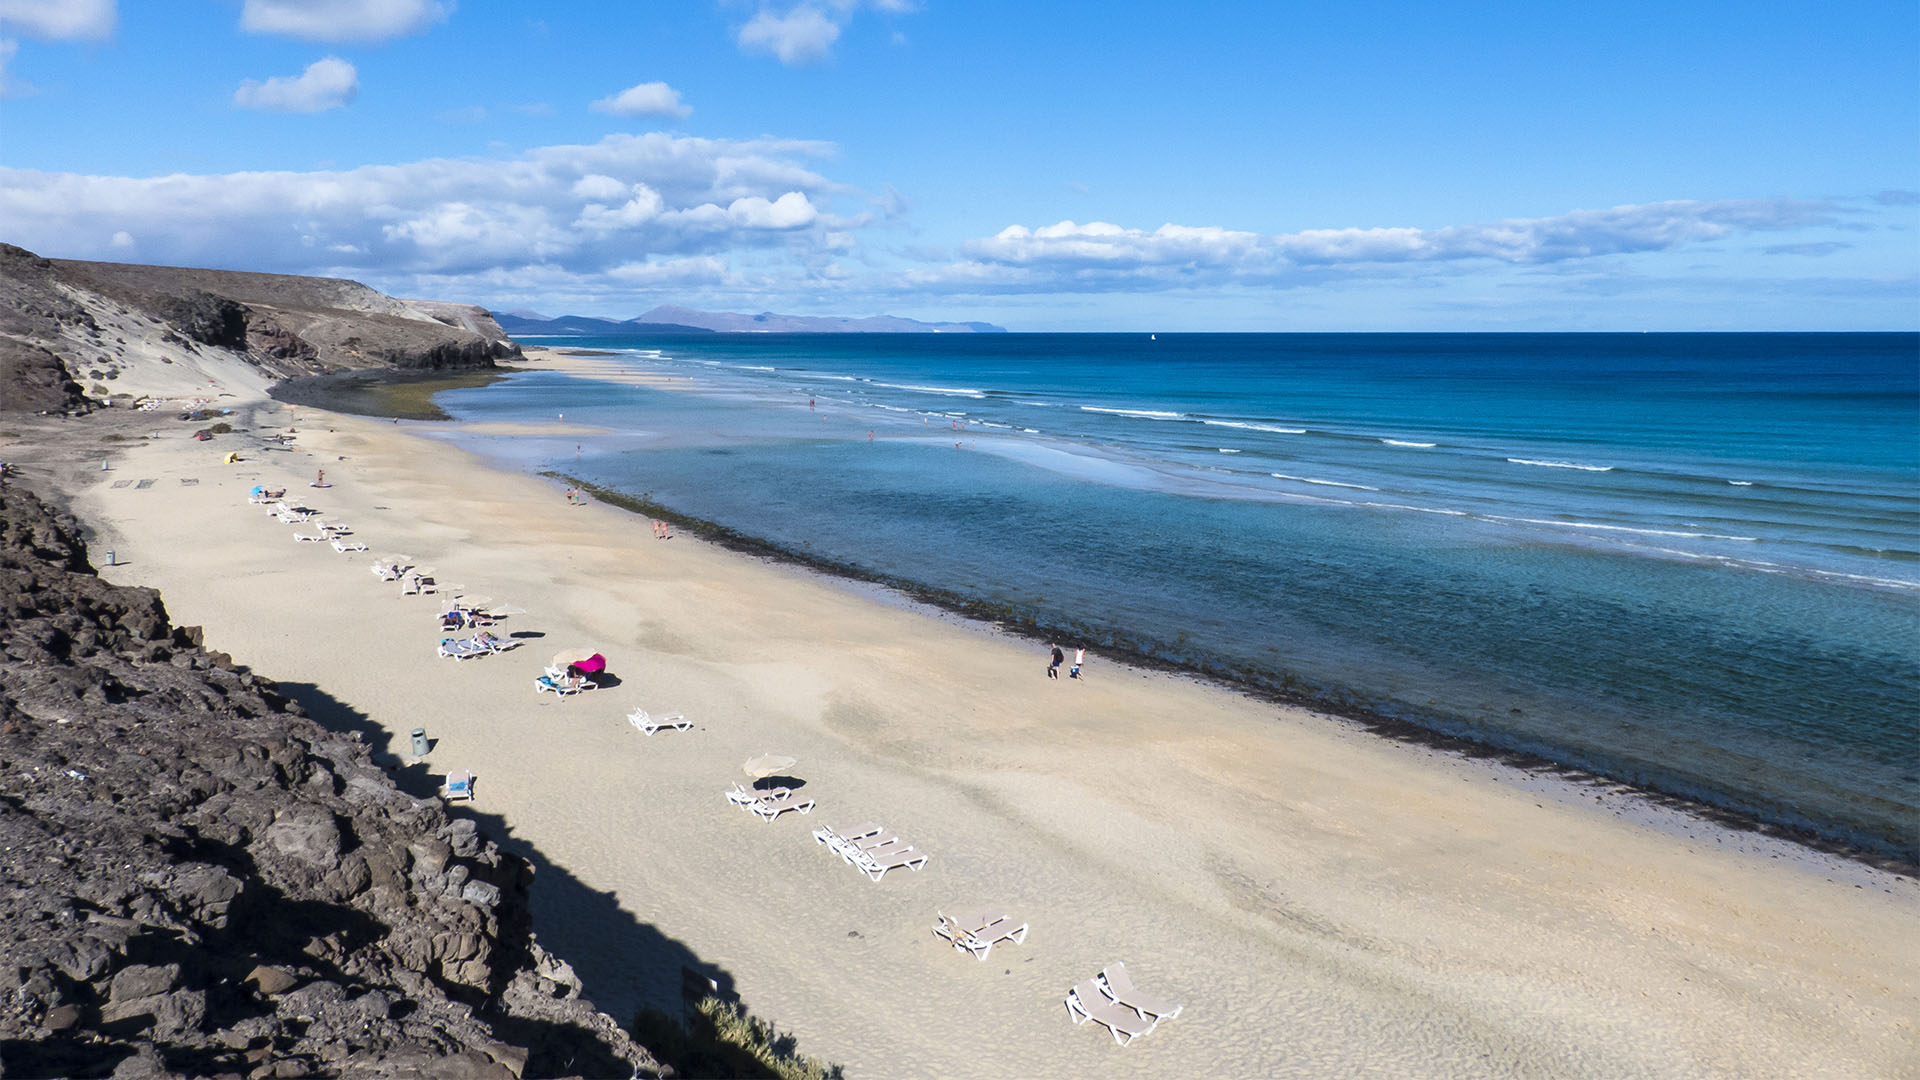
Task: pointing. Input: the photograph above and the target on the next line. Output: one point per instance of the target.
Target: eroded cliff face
(68, 327)
(197, 880)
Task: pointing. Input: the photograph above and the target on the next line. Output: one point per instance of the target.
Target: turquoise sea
(1687, 561)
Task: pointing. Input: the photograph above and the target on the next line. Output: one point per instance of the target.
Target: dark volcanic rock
(32, 377)
(206, 318)
(35, 380)
(198, 880)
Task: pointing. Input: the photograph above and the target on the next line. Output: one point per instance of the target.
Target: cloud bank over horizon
(589, 224)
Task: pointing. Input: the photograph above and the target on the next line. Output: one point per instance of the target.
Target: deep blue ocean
(1687, 561)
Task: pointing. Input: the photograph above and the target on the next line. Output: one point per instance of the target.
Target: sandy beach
(1322, 901)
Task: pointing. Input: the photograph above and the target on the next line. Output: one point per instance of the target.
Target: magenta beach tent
(585, 661)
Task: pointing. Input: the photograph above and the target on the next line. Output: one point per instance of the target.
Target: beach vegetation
(222, 428)
(405, 395)
(721, 1039)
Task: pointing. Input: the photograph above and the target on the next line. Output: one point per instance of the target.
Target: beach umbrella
(767, 765)
(584, 659)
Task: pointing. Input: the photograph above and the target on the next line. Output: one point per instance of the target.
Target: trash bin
(419, 742)
(109, 556)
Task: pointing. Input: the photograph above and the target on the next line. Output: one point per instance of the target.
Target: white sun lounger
(861, 851)
(462, 649)
(741, 795)
(494, 644)
(305, 539)
(978, 934)
(768, 809)
(877, 862)
(344, 546)
(851, 850)
(1118, 985)
(1086, 1002)
(562, 687)
(460, 787)
(837, 838)
(650, 724)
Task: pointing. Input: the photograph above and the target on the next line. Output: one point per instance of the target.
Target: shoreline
(1335, 705)
(1439, 732)
(1241, 853)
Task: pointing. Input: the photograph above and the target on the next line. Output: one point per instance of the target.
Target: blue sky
(1270, 166)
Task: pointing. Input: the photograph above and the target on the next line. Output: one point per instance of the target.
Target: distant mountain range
(669, 319)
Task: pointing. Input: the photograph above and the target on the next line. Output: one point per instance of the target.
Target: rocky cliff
(198, 880)
(69, 325)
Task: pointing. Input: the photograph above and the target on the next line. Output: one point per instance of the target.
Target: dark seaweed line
(1289, 690)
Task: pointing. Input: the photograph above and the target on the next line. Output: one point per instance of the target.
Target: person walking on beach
(1053, 669)
(1079, 657)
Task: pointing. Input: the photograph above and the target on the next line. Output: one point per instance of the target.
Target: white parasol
(767, 765)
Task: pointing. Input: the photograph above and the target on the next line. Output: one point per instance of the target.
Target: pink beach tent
(584, 661)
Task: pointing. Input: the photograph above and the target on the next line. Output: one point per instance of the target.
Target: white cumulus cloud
(58, 20)
(645, 99)
(341, 20)
(804, 35)
(328, 83)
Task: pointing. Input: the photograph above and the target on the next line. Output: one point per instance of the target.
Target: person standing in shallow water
(1053, 669)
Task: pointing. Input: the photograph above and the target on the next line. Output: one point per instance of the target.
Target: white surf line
(1560, 464)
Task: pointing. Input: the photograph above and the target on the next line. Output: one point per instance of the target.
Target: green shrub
(720, 1039)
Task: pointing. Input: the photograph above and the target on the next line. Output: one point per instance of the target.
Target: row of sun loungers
(1111, 1000)
(872, 850)
(324, 532)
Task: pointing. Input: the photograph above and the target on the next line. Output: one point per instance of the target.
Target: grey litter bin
(109, 556)
(419, 742)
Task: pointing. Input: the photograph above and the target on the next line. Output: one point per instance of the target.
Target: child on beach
(1079, 657)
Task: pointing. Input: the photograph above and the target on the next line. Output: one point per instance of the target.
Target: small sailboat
(1153, 337)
